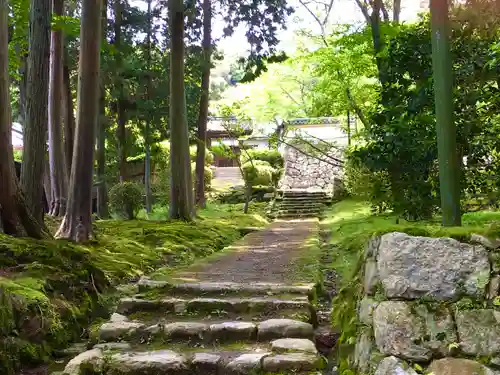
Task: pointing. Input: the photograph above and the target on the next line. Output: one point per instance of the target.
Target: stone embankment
(430, 305)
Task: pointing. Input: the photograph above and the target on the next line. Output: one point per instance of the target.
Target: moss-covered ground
(350, 224)
(50, 291)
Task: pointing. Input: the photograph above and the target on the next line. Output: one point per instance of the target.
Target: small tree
(125, 199)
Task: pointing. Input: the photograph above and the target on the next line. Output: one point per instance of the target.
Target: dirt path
(267, 256)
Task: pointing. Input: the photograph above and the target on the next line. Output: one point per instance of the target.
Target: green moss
(307, 267)
(467, 303)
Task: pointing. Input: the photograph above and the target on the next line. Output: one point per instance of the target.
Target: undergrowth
(351, 224)
(51, 290)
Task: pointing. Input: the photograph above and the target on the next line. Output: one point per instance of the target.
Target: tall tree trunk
(181, 189)
(348, 127)
(203, 114)
(69, 115)
(76, 224)
(147, 162)
(22, 88)
(396, 10)
(102, 192)
(57, 171)
(449, 171)
(120, 107)
(15, 217)
(47, 184)
(35, 130)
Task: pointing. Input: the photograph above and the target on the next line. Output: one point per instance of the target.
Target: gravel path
(266, 256)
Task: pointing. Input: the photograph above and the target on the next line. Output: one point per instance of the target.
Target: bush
(258, 173)
(209, 156)
(360, 182)
(125, 199)
(273, 157)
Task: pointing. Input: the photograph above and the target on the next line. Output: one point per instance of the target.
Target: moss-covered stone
(458, 366)
(479, 331)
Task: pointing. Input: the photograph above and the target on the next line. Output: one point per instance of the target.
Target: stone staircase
(207, 328)
(291, 204)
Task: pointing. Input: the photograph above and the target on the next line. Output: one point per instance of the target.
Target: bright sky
(343, 12)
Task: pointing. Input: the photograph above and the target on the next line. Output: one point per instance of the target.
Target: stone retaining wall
(304, 172)
(429, 305)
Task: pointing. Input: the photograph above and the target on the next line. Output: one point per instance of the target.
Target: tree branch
(385, 13)
(321, 151)
(364, 9)
(325, 142)
(309, 155)
(356, 109)
(290, 96)
(321, 25)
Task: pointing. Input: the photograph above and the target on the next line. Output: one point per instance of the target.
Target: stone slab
(282, 328)
(440, 268)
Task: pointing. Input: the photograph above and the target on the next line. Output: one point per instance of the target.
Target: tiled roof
(313, 120)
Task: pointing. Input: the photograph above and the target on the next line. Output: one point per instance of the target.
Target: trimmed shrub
(258, 173)
(273, 157)
(125, 199)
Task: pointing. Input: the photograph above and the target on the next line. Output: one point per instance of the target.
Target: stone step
(214, 331)
(295, 192)
(293, 203)
(228, 307)
(297, 215)
(299, 210)
(304, 199)
(283, 357)
(221, 289)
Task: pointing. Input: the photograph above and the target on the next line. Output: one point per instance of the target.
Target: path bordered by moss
(50, 291)
(285, 252)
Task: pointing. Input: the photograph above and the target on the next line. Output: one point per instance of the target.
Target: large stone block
(479, 331)
(148, 363)
(412, 331)
(440, 268)
(363, 353)
(458, 366)
(394, 366)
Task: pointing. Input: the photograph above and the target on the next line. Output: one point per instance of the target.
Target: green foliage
(125, 199)
(273, 157)
(282, 91)
(208, 176)
(209, 156)
(262, 167)
(401, 139)
(18, 155)
(160, 183)
(257, 173)
(346, 64)
(366, 185)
